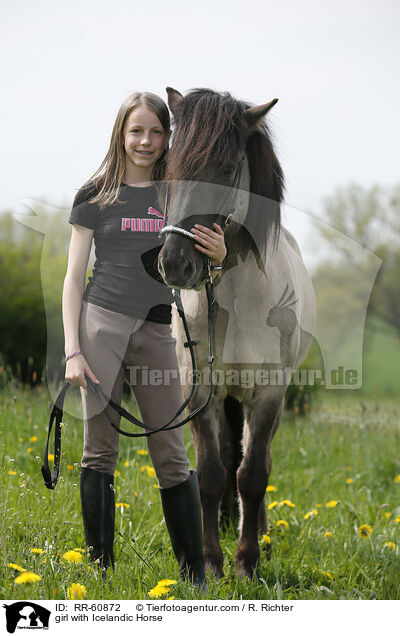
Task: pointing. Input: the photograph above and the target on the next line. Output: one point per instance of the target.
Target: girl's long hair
(106, 181)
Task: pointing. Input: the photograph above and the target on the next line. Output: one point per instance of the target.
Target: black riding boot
(98, 514)
(182, 512)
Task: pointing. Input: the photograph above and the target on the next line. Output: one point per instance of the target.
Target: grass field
(343, 452)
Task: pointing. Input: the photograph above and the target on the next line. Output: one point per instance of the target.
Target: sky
(334, 66)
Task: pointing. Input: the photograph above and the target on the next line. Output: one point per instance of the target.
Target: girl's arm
(74, 283)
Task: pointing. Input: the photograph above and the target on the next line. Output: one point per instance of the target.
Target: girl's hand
(212, 243)
(75, 370)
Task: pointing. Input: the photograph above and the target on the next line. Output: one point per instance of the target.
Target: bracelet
(71, 355)
(213, 267)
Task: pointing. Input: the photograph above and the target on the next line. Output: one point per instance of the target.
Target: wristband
(71, 355)
(213, 267)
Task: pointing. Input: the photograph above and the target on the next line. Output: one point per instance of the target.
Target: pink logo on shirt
(143, 225)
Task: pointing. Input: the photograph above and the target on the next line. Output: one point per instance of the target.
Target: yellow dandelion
(272, 505)
(36, 550)
(318, 505)
(122, 505)
(73, 556)
(33, 438)
(158, 591)
(328, 534)
(331, 504)
(390, 544)
(397, 520)
(282, 524)
(397, 479)
(126, 464)
(271, 489)
(266, 539)
(311, 514)
(12, 472)
(287, 502)
(349, 480)
(365, 531)
(16, 567)
(387, 514)
(20, 439)
(76, 591)
(50, 457)
(117, 473)
(170, 598)
(156, 486)
(142, 451)
(70, 467)
(167, 582)
(149, 470)
(27, 577)
(29, 450)
(327, 574)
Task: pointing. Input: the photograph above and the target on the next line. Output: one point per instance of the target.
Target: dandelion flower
(29, 450)
(158, 591)
(12, 472)
(73, 556)
(397, 520)
(327, 574)
(349, 480)
(33, 438)
(282, 524)
(117, 473)
(149, 470)
(126, 464)
(50, 457)
(266, 539)
(27, 577)
(70, 467)
(16, 567)
(311, 514)
(37, 550)
(287, 502)
(365, 531)
(142, 451)
(122, 505)
(272, 505)
(328, 534)
(397, 479)
(76, 591)
(387, 514)
(331, 504)
(271, 489)
(390, 544)
(167, 582)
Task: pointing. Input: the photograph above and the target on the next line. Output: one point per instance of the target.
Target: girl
(122, 320)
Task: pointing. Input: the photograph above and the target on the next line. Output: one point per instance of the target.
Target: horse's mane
(209, 130)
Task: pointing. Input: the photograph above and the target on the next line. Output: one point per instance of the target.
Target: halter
(225, 214)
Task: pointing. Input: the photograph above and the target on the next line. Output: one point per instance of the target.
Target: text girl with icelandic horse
(123, 319)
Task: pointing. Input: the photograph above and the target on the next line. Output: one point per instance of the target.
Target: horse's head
(213, 165)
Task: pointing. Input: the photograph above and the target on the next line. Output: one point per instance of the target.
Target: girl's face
(144, 139)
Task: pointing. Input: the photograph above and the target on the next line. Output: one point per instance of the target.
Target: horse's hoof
(214, 569)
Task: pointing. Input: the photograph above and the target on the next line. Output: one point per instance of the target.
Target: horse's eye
(228, 171)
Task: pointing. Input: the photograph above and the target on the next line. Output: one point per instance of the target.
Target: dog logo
(26, 615)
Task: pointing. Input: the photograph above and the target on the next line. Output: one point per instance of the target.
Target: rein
(56, 415)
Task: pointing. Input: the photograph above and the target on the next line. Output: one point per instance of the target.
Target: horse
(222, 165)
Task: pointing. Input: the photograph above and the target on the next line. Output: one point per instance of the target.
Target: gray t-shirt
(125, 277)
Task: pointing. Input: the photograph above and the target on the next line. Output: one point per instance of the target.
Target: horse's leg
(211, 476)
(261, 422)
(230, 441)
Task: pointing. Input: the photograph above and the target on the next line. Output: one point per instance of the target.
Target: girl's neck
(135, 176)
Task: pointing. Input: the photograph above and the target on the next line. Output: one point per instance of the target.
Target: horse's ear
(174, 99)
(255, 113)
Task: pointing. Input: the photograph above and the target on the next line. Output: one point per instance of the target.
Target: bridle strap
(224, 214)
